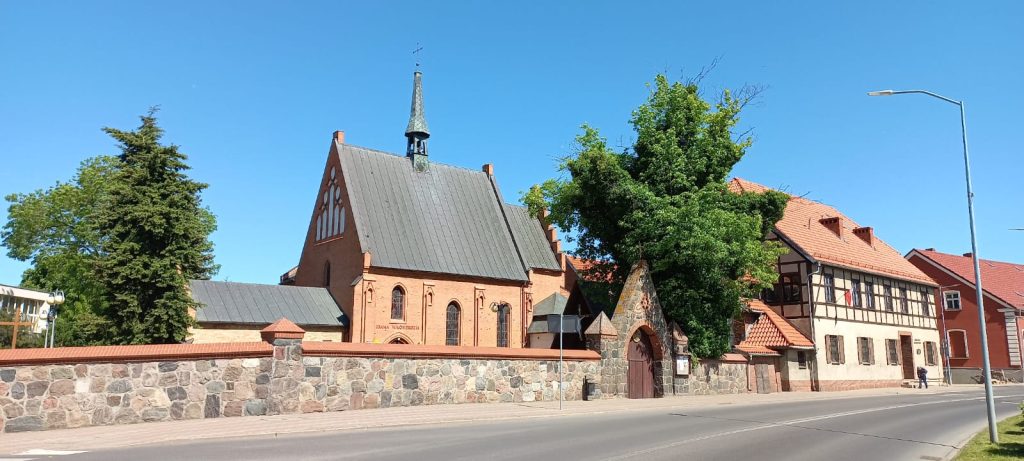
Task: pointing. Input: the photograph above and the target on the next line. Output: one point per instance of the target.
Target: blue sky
(252, 91)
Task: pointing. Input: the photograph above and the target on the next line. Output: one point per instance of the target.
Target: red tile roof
(801, 226)
(584, 268)
(1001, 280)
(770, 331)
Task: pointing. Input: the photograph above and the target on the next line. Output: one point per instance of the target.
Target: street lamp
(986, 370)
(55, 299)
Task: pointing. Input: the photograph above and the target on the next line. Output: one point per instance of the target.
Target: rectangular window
(801, 360)
(903, 301)
(926, 305)
(855, 292)
(769, 296)
(836, 354)
(866, 351)
(830, 288)
(957, 344)
(869, 294)
(892, 355)
(887, 293)
(791, 288)
(952, 300)
(930, 353)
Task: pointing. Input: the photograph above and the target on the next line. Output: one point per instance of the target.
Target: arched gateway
(633, 341)
(640, 374)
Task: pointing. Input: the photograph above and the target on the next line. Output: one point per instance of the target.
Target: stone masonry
(42, 397)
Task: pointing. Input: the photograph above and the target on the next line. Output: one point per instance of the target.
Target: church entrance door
(640, 383)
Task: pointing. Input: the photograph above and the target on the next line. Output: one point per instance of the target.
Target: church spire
(416, 133)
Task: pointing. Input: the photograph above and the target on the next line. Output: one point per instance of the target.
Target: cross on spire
(416, 54)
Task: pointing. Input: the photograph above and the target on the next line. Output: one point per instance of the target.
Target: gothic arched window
(503, 313)
(452, 325)
(330, 219)
(398, 304)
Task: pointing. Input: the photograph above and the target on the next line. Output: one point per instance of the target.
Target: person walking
(922, 378)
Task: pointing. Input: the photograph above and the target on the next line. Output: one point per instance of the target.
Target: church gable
(444, 219)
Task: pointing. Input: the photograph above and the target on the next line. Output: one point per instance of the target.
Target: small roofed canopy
(257, 304)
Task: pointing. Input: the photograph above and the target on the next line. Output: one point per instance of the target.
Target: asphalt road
(901, 427)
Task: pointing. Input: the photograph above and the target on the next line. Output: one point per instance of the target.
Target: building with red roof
(1003, 293)
(851, 294)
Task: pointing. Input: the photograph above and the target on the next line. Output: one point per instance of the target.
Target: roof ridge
(922, 250)
(400, 156)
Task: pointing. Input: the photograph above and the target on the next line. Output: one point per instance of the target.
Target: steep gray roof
(446, 219)
(554, 304)
(250, 303)
(529, 235)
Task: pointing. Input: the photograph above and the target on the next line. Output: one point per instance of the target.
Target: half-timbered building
(869, 312)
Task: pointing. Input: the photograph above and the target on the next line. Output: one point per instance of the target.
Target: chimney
(968, 255)
(834, 224)
(489, 169)
(866, 234)
(929, 249)
(339, 137)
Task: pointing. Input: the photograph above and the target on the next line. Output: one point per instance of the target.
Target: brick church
(419, 252)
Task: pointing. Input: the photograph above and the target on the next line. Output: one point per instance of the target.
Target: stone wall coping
(732, 358)
(134, 353)
(329, 349)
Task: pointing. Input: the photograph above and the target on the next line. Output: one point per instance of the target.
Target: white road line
(787, 423)
(44, 452)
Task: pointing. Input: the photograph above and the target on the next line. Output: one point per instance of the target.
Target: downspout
(810, 296)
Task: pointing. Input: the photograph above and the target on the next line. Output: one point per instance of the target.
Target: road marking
(44, 452)
(793, 422)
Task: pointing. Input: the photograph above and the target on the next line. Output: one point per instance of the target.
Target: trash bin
(589, 389)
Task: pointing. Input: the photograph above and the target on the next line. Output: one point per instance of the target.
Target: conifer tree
(156, 238)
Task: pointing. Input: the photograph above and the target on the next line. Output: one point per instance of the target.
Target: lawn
(1011, 443)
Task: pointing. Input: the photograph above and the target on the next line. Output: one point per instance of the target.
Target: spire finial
(416, 132)
(416, 54)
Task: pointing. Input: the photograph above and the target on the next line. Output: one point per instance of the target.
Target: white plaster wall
(881, 370)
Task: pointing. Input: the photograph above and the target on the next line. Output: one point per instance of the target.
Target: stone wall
(712, 377)
(288, 378)
(60, 396)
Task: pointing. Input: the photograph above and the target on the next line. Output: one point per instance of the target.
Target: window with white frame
(952, 299)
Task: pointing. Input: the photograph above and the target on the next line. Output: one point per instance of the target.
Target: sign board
(569, 323)
(682, 365)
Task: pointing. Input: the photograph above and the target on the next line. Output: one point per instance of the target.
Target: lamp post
(54, 300)
(986, 370)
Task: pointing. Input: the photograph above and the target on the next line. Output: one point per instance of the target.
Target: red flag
(849, 297)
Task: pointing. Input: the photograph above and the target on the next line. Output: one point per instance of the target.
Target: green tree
(56, 229)
(665, 200)
(155, 238)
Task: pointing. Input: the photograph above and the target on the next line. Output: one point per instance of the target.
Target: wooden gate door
(764, 373)
(907, 356)
(640, 382)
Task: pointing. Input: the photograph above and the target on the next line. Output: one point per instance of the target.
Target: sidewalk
(106, 437)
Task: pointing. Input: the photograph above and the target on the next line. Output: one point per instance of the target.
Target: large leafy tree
(56, 229)
(665, 200)
(156, 238)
